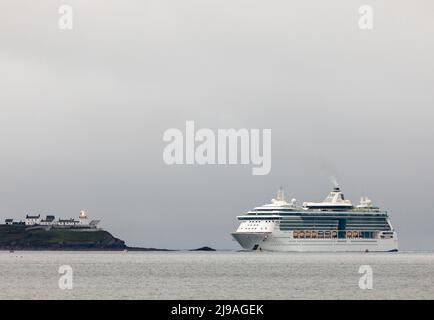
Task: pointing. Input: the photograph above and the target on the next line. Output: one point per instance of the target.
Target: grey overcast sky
(83, 111)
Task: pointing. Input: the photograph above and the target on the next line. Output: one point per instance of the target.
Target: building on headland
(32, 220)
(68, 222)
(47, 221)
(50, 222)
(82, 217)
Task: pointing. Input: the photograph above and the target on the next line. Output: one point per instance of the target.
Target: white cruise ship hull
(270, 242)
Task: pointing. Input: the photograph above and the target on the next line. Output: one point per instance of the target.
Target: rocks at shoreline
(18, 237)
(146, 249)
(204, 249)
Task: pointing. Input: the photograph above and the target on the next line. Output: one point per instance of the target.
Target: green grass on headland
(18, 237)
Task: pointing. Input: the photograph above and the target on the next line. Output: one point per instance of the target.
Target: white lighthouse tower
(83, 217)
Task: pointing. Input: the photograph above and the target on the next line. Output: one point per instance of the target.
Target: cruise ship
(334, 225)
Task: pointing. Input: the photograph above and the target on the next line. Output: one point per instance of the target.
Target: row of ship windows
(335, 220)
(319, 226)
(254, 224)
(308, 234)
(258, 221)
(334, 229)
(327, 215)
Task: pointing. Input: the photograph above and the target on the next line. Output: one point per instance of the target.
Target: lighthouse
(83, 217)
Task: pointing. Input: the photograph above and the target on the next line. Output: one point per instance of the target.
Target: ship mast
(280, 195)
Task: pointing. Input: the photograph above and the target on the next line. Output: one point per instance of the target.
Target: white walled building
(48, 221)
(32, 220)
(67, 222)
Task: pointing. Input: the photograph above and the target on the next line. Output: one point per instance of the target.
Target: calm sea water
(216, 275)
